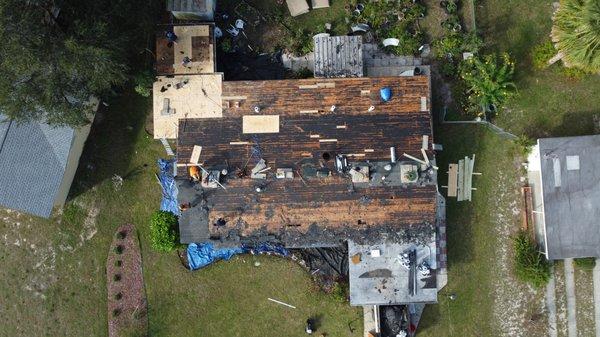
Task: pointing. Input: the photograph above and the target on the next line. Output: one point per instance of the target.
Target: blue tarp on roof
(169, 187)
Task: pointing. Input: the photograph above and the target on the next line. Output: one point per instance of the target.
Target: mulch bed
(127, 303)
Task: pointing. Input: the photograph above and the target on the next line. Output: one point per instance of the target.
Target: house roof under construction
(195, 44)
(275, 149)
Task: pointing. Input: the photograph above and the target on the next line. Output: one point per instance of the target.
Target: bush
(143, 83)
(118, 263)
(530, 265)
(339, 291)
(226, 45)
(586, 262)
(116, 312)
(118, 296)
(119, 249)
(117, 277)
(163, 234)
(541, 54)
(121, 235)
(574, 73)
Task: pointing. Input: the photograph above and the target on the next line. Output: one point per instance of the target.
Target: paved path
(597, 296)
(551, 304)
(570, 285)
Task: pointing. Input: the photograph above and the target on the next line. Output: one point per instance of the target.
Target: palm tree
(576, 34)
(489, 81)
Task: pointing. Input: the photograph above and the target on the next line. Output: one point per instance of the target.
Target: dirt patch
(127, 303)
(519, 309)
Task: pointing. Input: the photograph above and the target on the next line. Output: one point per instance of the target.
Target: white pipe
(279, 302)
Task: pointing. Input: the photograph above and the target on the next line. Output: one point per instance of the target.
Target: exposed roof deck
(302, 135)
(183, 96)
(195, 42)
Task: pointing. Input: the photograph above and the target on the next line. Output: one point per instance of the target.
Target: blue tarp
(202, 254)
(386, 94)
(169, 187)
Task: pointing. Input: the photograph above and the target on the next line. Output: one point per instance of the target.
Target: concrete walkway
(571, 307)
(551, 304)
(597, 296)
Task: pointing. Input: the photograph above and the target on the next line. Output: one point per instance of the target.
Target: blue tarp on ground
(169, 187)
(202, 254)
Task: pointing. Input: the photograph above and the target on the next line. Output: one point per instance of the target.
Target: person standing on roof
(171, 37)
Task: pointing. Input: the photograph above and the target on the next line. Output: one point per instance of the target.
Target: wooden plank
(195, 157)
(468, 179)
(461, 180)
(452, 180)
(425, 143)
(260, 124)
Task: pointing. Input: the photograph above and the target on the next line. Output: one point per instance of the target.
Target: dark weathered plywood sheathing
(338, 56)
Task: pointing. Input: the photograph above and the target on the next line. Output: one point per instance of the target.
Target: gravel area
(584, 294)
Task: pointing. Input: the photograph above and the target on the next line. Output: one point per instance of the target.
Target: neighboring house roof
(289, 124)
(203, 8)
(570, 173)
(338, 56)
(33, 159)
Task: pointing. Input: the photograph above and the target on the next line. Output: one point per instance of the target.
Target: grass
(53, 271)
(549, 103)
(470, 234)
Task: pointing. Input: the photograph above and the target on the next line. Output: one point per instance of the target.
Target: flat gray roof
(382, 280)
(570, 171)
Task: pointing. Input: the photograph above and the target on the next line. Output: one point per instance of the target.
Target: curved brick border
(129, 312)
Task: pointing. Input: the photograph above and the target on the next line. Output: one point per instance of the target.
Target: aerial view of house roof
(33, 160)
(571, 195)
(279, 142)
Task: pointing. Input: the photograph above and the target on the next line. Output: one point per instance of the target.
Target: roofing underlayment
(195, 45)
(570, 178)
(292, 127)
(33, 159)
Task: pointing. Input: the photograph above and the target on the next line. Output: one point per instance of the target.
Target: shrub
(118, 263)
(118, 296)
(121, 235)
(117, 277)
(449, 46)
(119, 249)
(143, 83)
(524, 144)
(574, 73)
(163, 234)
(339, 291)
(226, 45)
(489, 81)
(530, 265)
(116, 312)
(585, 262)
(541, 54)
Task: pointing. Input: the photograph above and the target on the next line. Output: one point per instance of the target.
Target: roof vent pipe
(256, 109)
(333, 108)
(371, 108)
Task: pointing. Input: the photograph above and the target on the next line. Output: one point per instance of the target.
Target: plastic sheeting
(169, 187)
(386, 94)
(200, 255)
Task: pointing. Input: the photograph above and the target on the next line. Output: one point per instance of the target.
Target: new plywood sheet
(260, 124)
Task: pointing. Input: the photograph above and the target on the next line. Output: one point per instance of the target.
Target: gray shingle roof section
(338, 56)
(203, 8)
(571, 196)
(33, 159)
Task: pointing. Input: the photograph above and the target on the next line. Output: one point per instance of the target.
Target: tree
(576, 33)
(53, 61)
(488, 81)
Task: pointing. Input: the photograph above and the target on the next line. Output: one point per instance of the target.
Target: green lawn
(471, 233)
(53, 271)
(548, 102)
